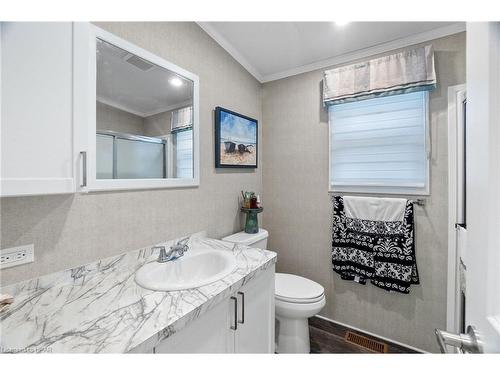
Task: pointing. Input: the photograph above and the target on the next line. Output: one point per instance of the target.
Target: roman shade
(402, 72)
(181, 119)
(380, 145)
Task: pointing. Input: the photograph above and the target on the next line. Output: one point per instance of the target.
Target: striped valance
(407, 71)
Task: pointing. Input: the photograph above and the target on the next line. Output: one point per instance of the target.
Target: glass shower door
(139, 159)
(125, 156)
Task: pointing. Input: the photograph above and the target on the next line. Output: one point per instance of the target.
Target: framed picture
(236, 142)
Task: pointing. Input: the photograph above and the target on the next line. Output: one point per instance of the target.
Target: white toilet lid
(295, 288)
(246, 238)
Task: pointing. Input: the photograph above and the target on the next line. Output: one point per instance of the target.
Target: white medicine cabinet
(36, 108)
(135, 114)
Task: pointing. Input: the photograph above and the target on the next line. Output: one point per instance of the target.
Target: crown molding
(215, 35)
(369, 51)
(114, 104)
(117, 105)
(340, 59)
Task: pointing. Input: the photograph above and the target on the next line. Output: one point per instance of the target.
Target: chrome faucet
(176, 251)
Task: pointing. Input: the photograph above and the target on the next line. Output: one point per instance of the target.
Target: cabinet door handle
(235, 326)
(84, 168)
(242, 321)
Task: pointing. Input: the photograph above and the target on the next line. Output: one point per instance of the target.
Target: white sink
(196, 268)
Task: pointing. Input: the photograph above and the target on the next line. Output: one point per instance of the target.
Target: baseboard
(373, 334)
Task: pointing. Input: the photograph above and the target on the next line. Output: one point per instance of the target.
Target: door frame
(453, 282)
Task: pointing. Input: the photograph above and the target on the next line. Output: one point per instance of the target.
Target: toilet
(257, 240)
(296, 300)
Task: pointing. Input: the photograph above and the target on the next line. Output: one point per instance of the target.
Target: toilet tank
(257, 240)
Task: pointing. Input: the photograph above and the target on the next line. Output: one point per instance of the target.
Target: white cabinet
(36, 108)
(210, 333)
(255, 332)
(243, 323)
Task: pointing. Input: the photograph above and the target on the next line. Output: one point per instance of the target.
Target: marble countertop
(99, 308)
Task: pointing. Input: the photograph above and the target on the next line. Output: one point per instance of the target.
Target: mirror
(144, 118)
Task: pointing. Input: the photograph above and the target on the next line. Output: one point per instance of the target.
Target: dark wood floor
(329, 337)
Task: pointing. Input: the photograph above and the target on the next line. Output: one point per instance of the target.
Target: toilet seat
(297, 289)
(299, 300)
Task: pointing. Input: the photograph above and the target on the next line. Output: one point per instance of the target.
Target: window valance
(403, 72)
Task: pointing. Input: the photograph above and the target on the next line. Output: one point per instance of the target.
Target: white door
(483, 182)
(255, 332)
(482, 314)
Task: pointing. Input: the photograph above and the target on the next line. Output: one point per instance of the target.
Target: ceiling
(274, 50)
(132, 84)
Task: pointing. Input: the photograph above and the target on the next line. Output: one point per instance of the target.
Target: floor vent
(366, 342)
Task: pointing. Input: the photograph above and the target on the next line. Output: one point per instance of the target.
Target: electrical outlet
(16, 256)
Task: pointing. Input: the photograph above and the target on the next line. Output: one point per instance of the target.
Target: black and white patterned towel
(380, 251)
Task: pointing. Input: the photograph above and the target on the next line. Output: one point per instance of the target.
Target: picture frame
(236, 140)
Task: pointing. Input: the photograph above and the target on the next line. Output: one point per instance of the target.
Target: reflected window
(184, 153)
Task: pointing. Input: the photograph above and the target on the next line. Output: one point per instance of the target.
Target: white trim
(85, 111)
(373, 334)
(112, 103)
(215, 35)
(185, 103)
(116, 105)
(11, 187)
(340, 59)
(452, 311)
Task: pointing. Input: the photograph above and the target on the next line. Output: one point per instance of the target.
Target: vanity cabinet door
(210, 333)
(36, 101)
(255, 333)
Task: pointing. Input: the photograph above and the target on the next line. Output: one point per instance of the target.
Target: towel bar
(418, 202)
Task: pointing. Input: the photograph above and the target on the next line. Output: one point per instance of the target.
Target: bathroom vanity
(242, 323)
(100, 308)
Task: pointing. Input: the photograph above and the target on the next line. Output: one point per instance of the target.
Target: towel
(375, 209)
(373, 239)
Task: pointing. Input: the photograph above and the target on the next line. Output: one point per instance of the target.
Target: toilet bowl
(296, 300)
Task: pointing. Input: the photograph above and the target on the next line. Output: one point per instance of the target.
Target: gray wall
(118, 120)
(158, 125)
(69, 230)
(298, 206)
(112, 118)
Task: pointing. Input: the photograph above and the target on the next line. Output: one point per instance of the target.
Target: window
(380, 145)
(184, 153)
